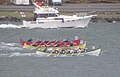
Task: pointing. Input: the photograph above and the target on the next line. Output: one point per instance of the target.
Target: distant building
(90, 1)
(21, 2)
(2, 2)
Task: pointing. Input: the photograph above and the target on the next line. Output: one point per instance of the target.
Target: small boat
(74, 44)
(82, 46)
(62, 50)
(93, 52)
(48, 17)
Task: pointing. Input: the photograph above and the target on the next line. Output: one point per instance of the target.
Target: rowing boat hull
(93, 52)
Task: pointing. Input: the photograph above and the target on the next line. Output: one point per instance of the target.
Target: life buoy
(81, 41)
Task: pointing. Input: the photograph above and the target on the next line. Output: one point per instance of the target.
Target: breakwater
(110, 12)
(105, 19)
(94, 19)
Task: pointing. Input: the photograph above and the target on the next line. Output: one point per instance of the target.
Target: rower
(30, 40)
(80, 51)
(66, 51)
(73, 51)
(67, 40)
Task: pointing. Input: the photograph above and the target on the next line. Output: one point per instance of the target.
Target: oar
(50, 54)
(35, 48)
(66, 51)
(79, 53)
(72, 53)
(58, 53)
(39, 45)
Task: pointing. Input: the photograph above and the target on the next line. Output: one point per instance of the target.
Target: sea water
(16, 61)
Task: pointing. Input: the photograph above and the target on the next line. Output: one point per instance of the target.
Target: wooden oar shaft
(78, 53)
(58, 53)
(72, 53)
(49, 54)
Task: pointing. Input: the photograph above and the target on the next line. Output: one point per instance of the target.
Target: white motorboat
(48, 17)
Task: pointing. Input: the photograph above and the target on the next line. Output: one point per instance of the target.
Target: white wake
(9, 26)
(9, 46)
(21, 26)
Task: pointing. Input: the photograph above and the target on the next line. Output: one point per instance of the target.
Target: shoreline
(93, 19)
(16, 17)
(105, 12)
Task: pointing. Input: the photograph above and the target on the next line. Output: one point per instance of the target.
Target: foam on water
(9, 26)
(43, 27)
(23, 54)
(19, 54)
(15, 46)
(9, 46)
(21, 26)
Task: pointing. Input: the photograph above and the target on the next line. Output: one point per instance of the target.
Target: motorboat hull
(69, 23)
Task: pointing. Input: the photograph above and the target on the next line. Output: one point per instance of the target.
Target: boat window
(42, 15)
(40, 22)
(52, 15)
(46, 15)
(58, 18)
(33, 22)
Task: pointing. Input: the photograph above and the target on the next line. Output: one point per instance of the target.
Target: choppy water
(18, 62)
